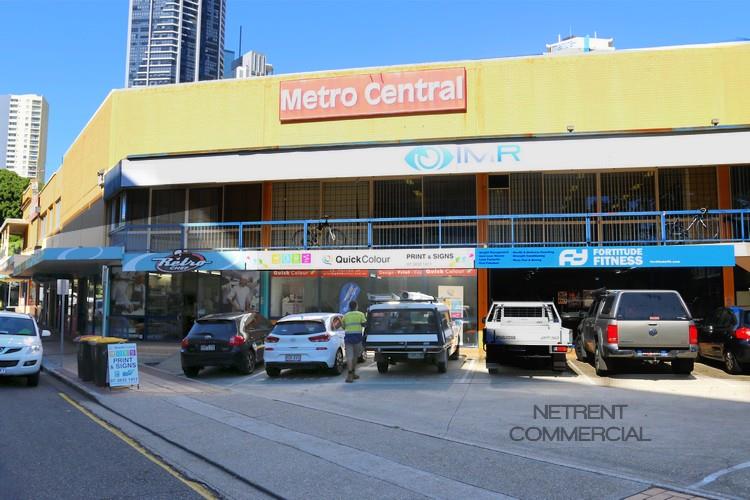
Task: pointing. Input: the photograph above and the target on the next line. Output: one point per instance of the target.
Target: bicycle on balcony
(696, 230)
(322, 234)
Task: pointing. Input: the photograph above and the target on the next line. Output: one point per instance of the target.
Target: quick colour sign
(607, 257)
(373, 94)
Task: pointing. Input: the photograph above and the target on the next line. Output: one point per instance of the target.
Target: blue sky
(73, 51)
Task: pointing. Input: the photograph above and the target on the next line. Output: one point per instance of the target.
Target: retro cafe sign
(373, 94)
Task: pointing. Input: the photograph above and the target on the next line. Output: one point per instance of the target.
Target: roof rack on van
(400, 297)
(599, 292)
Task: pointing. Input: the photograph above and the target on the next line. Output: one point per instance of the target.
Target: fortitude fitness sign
(373, 94)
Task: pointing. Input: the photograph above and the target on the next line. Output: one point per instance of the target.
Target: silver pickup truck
(637, 324)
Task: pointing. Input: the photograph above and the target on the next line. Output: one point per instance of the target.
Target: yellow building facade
(691, 100)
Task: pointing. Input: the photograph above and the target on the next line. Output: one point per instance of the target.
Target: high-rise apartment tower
(23, 134)
(174, 41)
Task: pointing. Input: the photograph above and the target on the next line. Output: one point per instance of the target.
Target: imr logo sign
(434, 158)
(573, 257)
(373, 94)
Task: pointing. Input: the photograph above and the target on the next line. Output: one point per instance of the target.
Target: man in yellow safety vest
(354, 324)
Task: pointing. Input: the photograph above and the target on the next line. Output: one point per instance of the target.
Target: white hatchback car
(312, 340)
(21, 347)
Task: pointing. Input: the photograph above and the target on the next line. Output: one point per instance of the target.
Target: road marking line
(193, 485)
(716, 475)
(246, 378)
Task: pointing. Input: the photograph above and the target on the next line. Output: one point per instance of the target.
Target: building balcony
(546, 230)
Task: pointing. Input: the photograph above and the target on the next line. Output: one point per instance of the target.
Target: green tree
(11, 188)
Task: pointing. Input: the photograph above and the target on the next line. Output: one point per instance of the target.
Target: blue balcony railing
(583, 229)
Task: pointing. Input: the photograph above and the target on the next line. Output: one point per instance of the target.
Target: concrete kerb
(72, 383)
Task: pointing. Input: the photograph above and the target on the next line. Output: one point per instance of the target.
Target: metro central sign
(373, 94)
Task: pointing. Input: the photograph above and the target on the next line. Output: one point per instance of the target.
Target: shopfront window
(741, 186)
(164, 320)
(687, 188)
(243, 202)
(295, 292)
(628, 191)
(128, 304)
(137, 206)
(204, 205)
(167, 210)
(331, 291)
(240, 291)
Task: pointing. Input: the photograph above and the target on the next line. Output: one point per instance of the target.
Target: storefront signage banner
(373, 94)
(569, 153)
(123, 365)
(179, 261)
(607, 257)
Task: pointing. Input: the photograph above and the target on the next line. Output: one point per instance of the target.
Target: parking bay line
(356, 460)
(580, 373)
(469, 371)
(716, 475)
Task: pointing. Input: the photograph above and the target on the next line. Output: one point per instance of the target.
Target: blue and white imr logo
(434, 158)
(429, 158)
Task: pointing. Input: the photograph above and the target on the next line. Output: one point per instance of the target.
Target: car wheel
(731, 364)
(683, 366)
(442, 363)
(190, 371)
(338, 363)
(272, 371)
(456, 353)
(383, 366)
(33, 380)
(248, 363)
(580, 349)
(599, 364)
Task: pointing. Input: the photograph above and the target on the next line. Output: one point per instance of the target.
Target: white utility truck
(531, 330)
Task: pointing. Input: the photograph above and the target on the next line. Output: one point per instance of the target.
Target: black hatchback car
(227, 339)
(725, 336)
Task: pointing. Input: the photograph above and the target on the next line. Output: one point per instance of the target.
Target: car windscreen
(218, 329)
(16, 326)
(402, 321)
(746, 318)
(298, 328)
(651, 306)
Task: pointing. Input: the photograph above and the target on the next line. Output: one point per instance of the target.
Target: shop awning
(75, 261)
(14, 226)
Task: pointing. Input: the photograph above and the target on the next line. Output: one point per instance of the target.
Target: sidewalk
(65, 367)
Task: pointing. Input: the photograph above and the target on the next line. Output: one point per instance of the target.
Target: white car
(312, 340)
(21, 347)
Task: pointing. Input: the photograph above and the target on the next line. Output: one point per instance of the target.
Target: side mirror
(484, 321)
(46, 333)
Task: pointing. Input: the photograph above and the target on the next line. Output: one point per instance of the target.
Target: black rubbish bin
(101, 358)
(86, 357)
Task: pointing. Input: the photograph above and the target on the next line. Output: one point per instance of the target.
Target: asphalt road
(52, 450)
